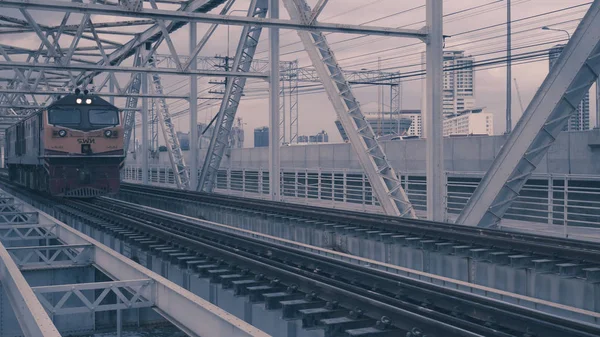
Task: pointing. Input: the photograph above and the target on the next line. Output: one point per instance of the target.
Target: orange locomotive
(72, 148)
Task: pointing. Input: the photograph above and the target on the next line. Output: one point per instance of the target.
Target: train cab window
(64, 116)
(104, 117)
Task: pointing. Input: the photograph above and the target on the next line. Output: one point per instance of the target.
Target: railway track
(342, 298)
(528, 244)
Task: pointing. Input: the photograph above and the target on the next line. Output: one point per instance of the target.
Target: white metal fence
(551, 199)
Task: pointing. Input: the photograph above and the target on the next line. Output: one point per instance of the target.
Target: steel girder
(180, 170)
(131, 103)
(31, 316)
(384, 181)
(186, 16)
(566, 84)
(233, 93)
(154, 33)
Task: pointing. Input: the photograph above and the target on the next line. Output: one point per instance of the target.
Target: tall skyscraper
(261, 137)
(580, 119)
(459, 83)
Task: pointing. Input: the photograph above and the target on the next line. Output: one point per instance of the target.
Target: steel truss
(54, 66)
(386, 184)
(132, 286)
(55, 256)
(182, 175)
(291, 75)
(126, 294)
(233, 93)
(568, 81)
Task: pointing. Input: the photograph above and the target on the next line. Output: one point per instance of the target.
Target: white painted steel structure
(233, 93)
(434, 122)
(186, 310)
(382, 176)
(569, 80)
(68, 70)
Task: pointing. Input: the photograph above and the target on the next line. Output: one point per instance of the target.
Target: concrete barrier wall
(572, 153)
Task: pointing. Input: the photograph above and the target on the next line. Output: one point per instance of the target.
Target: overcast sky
(464, 22)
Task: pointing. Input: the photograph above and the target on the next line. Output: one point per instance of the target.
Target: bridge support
(573, 74)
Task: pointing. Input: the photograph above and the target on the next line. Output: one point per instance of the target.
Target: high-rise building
(470, 122)
(459, 83)
(580, 119)
(261, 137)
(416, 122)
(383, 126)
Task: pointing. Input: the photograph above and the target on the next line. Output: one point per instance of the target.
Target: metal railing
(554, 199)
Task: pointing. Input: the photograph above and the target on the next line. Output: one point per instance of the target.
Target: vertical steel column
(274, 145)
(566, 206)
(144, 129)
(433, 113)
(598, 103)
(508, 69)
(550, 200)
(111, 89)
(193, 110)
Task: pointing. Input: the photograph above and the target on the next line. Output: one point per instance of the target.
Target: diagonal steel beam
(166, 37)
(209, 32)
(568, 81)
(384, 181)
(317, 10)
(233, 93)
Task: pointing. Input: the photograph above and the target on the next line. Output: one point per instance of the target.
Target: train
(72, 148)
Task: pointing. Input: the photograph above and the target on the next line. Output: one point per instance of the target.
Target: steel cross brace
(128, 295)
(51, 256)
(20, 218)
(568, 81)
(131, 103)
(27, 232)
(386, 184)
(233, 93)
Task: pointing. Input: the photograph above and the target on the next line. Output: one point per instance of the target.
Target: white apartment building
(416, 125)
(470, 122)
(459, 83)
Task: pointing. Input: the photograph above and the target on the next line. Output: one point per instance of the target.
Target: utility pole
(508, 70)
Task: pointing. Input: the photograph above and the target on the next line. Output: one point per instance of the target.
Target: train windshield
(104, 117)
(64, 116)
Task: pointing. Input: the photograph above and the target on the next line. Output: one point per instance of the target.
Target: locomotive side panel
(23, 141)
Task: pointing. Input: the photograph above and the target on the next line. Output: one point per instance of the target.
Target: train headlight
(79, 101)
(88, 101)
(108, 133)
(62, 133)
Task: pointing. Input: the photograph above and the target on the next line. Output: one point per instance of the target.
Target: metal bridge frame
(291, 75)
(145, 288)
(568, 81)
(53, 66)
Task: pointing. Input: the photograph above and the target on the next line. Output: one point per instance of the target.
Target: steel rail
(499, 239)
(379, 292)
(374, 285)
